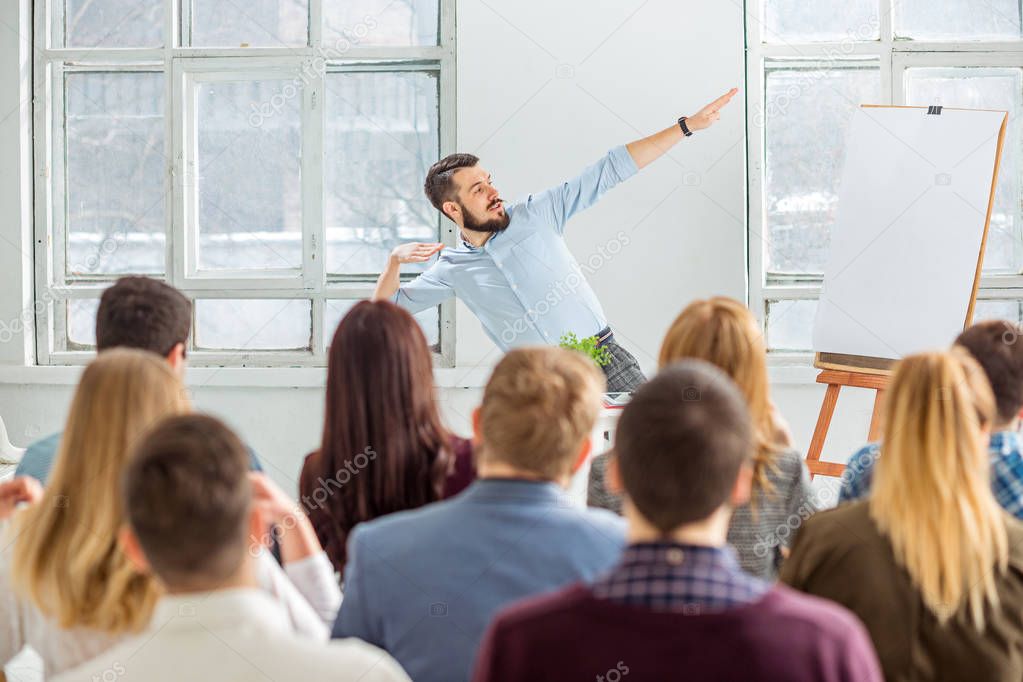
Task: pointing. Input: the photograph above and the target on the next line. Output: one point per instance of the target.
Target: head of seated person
(997, 346)
(188, 503)
(723, 332)
(682, 455)
(381, 407)
(144, 313)
(121, 393)
(538, 410)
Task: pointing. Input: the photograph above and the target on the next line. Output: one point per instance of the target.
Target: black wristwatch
(685, 129)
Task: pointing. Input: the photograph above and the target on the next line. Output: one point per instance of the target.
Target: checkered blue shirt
(666, 576)
(1006, 450)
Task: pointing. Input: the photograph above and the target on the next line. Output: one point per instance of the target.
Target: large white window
(263, 156)
(809, 65)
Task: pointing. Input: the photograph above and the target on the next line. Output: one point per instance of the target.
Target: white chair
(9, 454)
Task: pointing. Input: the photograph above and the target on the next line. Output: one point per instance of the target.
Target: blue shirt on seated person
(40, 455)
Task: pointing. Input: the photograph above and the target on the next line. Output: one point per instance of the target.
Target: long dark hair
(382, 427)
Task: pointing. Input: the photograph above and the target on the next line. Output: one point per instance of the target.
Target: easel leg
(820, 432)
(875, 418)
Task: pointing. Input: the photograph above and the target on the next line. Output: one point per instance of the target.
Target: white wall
(544, 88)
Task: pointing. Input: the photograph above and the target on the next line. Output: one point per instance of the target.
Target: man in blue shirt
(423, 584)
(512, 267)
(997, 347)
(136, 312)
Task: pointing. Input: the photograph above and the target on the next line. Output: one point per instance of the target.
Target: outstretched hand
(23, 489)
(415, 252)
(708, 116)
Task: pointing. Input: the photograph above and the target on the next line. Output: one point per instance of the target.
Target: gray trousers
(623, 374)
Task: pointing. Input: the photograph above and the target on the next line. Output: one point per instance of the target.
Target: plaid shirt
(665, 576)
(1006, 450)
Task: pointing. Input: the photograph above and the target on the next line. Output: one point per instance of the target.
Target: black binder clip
(934, 110)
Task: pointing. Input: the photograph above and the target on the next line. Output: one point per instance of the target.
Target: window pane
(253, 324)
(801, 21)
(807, 113)
(997, 88)
(382, 135)
(249, 185)
(112, 23)
(336, 309)
(348, 23)
(957, 19)
(997, 310)
(115, 173)
(250, 23)
(790, 325)
(81, 323)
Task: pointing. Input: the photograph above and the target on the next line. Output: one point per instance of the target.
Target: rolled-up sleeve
(426, 291)
(572, 196)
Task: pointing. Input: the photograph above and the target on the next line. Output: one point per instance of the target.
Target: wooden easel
(856, 371)
(836, 379)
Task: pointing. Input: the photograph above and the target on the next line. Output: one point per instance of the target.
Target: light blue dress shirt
(524, 285)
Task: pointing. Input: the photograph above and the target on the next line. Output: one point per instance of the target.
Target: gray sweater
(758, 541)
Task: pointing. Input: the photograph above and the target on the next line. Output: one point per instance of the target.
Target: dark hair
(680, 443)
(144, 313)
(187, 497)
(997, 346)
(382, 416)
(440, 183)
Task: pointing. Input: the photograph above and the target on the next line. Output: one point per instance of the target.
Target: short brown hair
(440, 180)
(538, 407)
(187, 497)
(143, 313)
(680, 443)
(997, 346)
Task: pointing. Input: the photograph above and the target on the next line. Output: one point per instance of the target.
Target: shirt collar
(679, 554)
(1005, 442)
(520, 490)
(219, 609)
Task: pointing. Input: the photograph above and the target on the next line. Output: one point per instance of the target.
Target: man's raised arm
(390, 279)
(649, 149)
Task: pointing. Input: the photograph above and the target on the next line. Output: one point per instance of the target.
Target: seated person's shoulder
(563, 603)
(841, 526)
(38, 457)
(825, 618)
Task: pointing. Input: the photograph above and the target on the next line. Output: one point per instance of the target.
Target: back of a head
(122, 393)
(997, 345)
(538, 407)
(187, 498)
(932, 490)
(681, 442)
(723, 332)
(143, 313)
(381, 401)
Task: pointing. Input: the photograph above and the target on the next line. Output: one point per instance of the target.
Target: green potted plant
(587, 346)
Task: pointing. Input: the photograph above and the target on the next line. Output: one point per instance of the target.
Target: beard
(494, 225)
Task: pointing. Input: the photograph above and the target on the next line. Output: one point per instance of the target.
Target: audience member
(190, 509)
(678, 605)
(725, 333)
(66, 589)
(135, 312)
(997, 346)
(384, 447)
(929, 562)
(424, 584)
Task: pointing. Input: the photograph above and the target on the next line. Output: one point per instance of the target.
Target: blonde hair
(538, 407)
(66, 558)
(725, 333)
(932, 487)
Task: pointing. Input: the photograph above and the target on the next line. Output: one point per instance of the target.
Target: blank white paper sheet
(904, 248)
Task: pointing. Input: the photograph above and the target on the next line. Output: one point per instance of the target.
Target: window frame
(181, 66)
(894, 56)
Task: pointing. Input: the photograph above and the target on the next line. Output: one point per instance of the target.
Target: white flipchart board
(907, 244)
